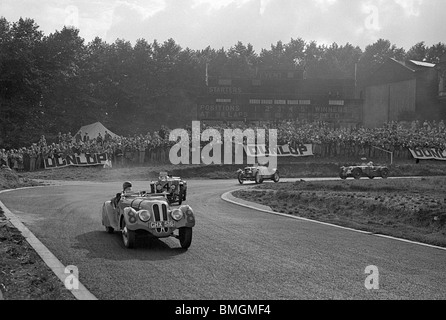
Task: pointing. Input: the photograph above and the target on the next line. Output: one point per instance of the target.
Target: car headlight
(176, 214)
(158, 187)
(144, 215)
(172, 187)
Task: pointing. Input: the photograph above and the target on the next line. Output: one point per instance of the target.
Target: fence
(160, 156)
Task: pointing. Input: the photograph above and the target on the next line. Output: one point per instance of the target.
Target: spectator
(119, 155)
(60, 138)
(78, 137)
(107, 136)
(99, 139)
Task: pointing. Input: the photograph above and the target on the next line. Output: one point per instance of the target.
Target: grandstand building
(405, 91)
(441, 69)
(275, 95)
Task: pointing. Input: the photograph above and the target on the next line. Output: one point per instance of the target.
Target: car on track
(142, 213)
(258, 174)
(364, 170)
(174, 187)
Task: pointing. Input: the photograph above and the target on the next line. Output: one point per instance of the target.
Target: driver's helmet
(127, 186)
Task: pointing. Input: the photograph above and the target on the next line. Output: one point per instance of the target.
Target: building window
(305, 102)
(336, 102)
(293, 102)
(223, 100)
(225, 82)
(279, 101)
(254, 101)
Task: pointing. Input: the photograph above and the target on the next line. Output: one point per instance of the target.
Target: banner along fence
(322, 150)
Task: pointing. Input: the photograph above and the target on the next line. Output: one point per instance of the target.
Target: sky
(197, 24)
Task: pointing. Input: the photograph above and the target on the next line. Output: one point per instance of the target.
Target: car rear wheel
(109, 229)
(185, 237)
(128, 237)
(357, 173)
(240, 178)
(385, 173)
(276, 177)
(258, 178)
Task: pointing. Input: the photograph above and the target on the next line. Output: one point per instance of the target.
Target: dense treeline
(58, 82)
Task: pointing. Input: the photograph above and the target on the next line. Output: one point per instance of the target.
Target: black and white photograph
(220, 158)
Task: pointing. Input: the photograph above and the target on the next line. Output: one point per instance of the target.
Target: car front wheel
(128, 237)
(240, 178)
(185, 237)
(385, 173)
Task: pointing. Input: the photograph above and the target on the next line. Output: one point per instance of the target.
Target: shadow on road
(101, 244)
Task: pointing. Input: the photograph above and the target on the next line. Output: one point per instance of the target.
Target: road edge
(47, 256)
(228, 197)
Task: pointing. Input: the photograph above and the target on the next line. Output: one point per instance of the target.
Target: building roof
(393, 70)
(414, 65)
(423, 64)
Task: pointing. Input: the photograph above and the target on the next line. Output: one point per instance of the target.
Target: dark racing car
(364, 170)
(174, 187)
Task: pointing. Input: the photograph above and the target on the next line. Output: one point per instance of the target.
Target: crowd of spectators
(153, 147)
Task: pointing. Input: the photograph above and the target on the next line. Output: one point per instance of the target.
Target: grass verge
(23, 274)
(413, 209)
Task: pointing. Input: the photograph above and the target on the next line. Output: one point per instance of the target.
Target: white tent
(93, 131)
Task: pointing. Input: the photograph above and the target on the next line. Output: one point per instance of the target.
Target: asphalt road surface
(236, 253)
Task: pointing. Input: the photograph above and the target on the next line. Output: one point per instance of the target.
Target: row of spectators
(153, 147)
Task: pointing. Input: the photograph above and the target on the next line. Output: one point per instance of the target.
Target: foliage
(58, 82)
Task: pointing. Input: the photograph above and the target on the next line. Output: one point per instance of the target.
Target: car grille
(160, 214)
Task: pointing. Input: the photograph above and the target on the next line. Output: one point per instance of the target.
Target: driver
(126, 188)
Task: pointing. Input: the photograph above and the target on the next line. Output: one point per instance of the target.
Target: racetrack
(236, 253)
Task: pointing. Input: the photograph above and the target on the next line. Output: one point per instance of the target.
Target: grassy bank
(413, 209)
(298, 168)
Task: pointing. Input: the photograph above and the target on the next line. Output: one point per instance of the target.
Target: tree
(435, 52)
(241, 60)
(375, 55)
(66, 96)
(21, 81)
(418, 52)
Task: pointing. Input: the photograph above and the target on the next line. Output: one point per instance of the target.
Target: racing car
(142, 213)
(258, 174)
(364, 170)
(175, 187)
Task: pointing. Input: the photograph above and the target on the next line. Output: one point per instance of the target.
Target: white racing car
(258, 174)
